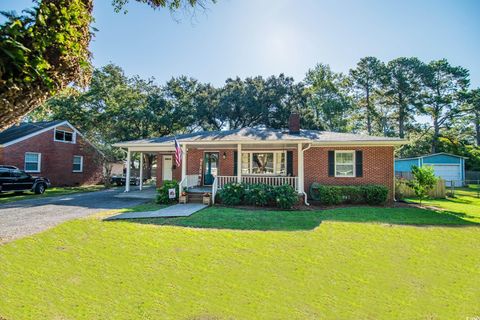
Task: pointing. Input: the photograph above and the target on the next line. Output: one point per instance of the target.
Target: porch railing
(189, 181)
(273, 181)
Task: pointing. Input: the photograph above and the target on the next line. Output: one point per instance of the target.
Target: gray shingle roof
(24, 129)
(255, 134)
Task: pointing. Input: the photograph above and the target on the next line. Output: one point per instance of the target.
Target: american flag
(178, 153)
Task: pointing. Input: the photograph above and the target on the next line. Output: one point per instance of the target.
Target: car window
(4, 173)
(19, 174)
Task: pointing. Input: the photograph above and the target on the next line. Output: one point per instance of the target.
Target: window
(64, 136)
(273, 163)
(344, 163)
(4, 173)
(32, 161)
(77, 164)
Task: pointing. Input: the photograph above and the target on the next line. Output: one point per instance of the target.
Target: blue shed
(449, 167)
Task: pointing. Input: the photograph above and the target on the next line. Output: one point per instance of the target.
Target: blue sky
(264, 37)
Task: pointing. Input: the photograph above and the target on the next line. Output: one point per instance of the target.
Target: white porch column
(239, 163)
(184, 161)
(301, 172)
(127, 175)
(141, 171)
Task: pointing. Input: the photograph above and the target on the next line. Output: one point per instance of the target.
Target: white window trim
(250, 165)
(74, 136)
(354, 173)
(81, 163)
(39, 162)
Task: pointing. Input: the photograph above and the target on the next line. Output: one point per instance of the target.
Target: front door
(167, 168)
(210, 167)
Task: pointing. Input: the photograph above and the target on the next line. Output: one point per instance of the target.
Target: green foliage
(285, 196)
(423, 181)
(232, 194)
(375, 194)
(162, 192)
(259, 195)
(334, 195)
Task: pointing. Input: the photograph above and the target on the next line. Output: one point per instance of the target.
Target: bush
(424, 180)
(259, 194)
(285, 196)
(375, 194)
(334, 195)
(162, 192)
(232, 194)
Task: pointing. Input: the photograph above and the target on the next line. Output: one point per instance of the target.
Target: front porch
(207, 167)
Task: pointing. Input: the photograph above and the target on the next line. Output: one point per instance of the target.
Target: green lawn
(54, 191)
(350, 263)
(466, 203)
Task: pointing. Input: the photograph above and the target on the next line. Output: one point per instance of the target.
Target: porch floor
(177, 210)
(200, 189)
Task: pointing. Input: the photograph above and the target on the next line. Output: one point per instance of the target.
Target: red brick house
(53, 149)
(292, 156)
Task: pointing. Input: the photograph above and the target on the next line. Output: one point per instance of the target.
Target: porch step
(195, 197)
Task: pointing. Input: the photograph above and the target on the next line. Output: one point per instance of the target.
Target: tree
(46, 49)
(423, 181)
(472, 110)
(402, 87)
(444, 86)
(366, 78)
(327, 97)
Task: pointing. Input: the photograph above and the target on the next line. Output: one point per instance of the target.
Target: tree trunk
(369, 113)
(401, 116)
(477, 127)
(436, 135)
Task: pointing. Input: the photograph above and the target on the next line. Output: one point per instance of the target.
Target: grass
(50, 192)
(466, 202)
(349, 263)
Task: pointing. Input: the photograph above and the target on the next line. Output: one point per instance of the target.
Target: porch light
(224, 156)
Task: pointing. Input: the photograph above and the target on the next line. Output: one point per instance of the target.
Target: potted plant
(206, 198)
(183, 198)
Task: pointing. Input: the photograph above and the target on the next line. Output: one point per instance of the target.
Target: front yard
(350, 263)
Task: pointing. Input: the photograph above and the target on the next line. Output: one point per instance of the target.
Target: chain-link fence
(455, 185)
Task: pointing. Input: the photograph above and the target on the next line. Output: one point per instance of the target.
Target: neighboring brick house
(292, 156)
(53, 149)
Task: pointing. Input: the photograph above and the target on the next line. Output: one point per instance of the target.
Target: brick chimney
(294, 123)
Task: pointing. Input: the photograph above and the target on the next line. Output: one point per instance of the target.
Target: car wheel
(39, 188)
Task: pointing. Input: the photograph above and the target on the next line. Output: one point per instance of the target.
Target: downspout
(394, 178)
(303, 157)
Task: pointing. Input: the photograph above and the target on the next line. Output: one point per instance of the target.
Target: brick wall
(57, 159)
(378, 165)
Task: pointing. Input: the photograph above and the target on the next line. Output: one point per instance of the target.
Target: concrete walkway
(177, 210)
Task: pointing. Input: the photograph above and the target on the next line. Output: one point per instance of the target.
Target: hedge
(334, 195)
(260, 194)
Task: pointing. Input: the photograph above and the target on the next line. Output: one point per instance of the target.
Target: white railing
(273, 181)
(223, 180)
(191, 180)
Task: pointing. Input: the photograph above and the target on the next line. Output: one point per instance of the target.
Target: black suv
(13, 179)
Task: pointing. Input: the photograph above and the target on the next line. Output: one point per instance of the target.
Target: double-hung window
(64, 136)
(32, 161)
(264, 163)
(344, 163)
(77, 164)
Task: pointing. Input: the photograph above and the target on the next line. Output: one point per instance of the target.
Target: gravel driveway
(22, 218)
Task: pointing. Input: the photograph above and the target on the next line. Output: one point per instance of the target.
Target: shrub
(423, 181)
(162, 192)
(328, 195)
(285, 196)
(232, 194)
(333, 195)
(259, 194)
(375, 194)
